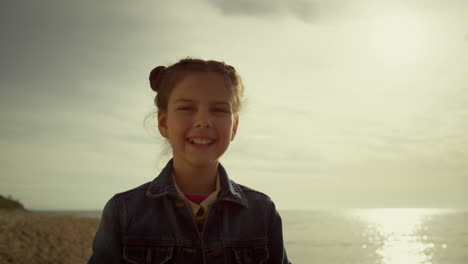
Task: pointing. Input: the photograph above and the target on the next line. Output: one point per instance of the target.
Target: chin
(200, 163)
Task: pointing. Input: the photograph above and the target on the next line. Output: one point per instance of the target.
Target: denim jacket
(153, 224)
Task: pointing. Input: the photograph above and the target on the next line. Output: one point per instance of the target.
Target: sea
(371, 236)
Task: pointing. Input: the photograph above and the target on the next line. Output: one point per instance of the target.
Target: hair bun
(155, 77)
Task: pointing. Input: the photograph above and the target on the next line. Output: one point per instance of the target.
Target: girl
(192, 212)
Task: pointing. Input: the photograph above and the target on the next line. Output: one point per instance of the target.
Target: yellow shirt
(199, 211)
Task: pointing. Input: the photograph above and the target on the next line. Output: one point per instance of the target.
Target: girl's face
(199, 121)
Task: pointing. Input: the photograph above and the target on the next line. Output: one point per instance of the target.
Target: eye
(221, 110)
(185, 108)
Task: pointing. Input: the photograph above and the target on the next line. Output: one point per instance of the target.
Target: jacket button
(200, 212)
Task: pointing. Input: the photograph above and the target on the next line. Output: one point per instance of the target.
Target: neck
(195, 180)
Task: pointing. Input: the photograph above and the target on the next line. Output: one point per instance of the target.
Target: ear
(162, 123)
(234, 126)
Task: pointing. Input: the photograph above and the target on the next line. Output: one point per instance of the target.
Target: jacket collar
(163, 185)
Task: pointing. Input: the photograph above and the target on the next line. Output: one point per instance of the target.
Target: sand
(27, 237)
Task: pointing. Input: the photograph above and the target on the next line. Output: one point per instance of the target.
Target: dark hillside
(9, 203)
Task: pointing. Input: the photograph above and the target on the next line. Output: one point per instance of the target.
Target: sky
(349, 104)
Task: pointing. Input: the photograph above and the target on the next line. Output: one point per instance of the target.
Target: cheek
(226, 127)
(178, 123)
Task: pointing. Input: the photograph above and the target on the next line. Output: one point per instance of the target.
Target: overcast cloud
(354, 103)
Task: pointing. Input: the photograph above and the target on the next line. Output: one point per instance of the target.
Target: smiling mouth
(201, 141)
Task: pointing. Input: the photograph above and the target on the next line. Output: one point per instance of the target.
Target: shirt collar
(205, 203)
(163, 185)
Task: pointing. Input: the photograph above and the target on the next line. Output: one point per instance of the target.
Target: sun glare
(399, 234)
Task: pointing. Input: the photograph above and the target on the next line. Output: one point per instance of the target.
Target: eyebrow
(183, 100)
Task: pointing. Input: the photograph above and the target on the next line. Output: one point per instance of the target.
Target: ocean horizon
(368, 236)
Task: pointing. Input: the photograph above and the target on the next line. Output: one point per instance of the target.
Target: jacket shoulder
(140, 190)
(251, 193)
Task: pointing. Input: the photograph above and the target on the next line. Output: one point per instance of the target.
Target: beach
(27, 237)
(371, 236)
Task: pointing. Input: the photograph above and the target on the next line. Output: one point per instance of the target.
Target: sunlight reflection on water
(399, 235)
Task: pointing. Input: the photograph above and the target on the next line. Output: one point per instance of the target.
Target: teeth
(201, 141)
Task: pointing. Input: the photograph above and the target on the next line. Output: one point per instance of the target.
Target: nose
(203, 119)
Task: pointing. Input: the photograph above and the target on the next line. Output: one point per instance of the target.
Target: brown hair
(164, 79)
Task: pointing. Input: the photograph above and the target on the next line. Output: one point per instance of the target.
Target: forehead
(201, 87)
